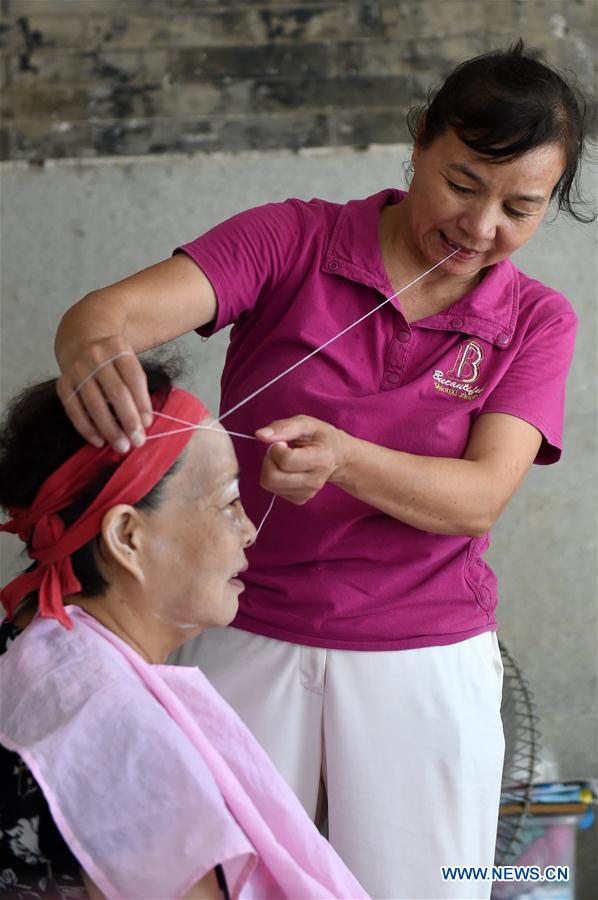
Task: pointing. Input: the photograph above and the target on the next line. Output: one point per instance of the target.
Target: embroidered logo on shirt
(467, 364)
(465, 371)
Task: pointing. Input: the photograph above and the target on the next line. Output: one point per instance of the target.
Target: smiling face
(194, 543)
(487, 210)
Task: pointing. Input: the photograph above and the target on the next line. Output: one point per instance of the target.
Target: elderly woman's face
(196, 539)
(458, 199)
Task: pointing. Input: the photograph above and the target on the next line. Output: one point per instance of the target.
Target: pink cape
(150, 776)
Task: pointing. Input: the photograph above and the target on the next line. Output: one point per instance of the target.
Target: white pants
(408, 745)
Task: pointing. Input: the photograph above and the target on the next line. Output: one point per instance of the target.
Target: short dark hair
(503, 104)
(36, 437)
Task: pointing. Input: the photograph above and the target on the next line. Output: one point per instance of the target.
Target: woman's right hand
(102, 386)
(103, 389)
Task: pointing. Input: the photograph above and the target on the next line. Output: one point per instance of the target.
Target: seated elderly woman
(124, 776)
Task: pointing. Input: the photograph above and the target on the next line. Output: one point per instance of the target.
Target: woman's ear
(122, 534)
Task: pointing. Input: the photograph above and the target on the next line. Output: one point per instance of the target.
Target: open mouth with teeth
(464, 252)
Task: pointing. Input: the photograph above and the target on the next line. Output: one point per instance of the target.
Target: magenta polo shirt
(337, 572)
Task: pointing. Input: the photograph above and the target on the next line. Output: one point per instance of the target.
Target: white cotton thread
(268, 511)
(96, 370)
(330, 340)
(163, 434)
(191, 426)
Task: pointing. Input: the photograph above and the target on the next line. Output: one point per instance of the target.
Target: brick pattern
(84, 78)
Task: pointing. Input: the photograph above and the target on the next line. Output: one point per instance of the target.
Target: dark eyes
(459, 189)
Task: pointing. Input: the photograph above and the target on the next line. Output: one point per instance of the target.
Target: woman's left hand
(304, 454)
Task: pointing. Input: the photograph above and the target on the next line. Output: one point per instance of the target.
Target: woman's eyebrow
(465, 170)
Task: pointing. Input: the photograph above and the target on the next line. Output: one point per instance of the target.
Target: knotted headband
(51, 543)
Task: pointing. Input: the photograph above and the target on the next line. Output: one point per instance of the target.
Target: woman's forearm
(437, 494)
(145, 310)
(445, 496)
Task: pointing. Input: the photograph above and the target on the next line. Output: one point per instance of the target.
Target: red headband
(51, 543)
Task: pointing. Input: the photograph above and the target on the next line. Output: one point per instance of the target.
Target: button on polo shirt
(337, 572)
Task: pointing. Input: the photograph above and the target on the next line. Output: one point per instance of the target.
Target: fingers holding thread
(93, 372)
(294, 428)
(102, 415)
(114, 398)
(130, 369)
(77, 413)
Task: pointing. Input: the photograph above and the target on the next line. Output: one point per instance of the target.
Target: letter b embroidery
(467, 364)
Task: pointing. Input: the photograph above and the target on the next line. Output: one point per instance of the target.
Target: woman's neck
(131, 621)
(148, 636)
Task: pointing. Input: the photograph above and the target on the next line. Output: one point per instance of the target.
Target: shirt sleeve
(245, 256)
(533, 387)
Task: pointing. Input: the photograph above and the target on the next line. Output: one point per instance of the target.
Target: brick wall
(86, 78)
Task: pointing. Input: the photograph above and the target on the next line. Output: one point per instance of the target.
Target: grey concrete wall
(74, 226)
(103, 77)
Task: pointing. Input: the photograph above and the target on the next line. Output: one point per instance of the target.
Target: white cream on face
(171, 622)
(230, 501)
(231, 491)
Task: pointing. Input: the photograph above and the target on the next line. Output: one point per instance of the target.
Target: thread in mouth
(462, 251)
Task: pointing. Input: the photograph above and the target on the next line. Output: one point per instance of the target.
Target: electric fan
(522, 748)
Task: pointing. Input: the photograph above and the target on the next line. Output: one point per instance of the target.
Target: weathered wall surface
(101, 77)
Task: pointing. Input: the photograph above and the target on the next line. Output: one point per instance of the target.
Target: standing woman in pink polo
(364, 655)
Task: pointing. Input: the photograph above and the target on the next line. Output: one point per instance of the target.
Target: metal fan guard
(522, 747)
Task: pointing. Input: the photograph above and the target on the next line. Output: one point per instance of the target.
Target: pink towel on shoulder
(150, 776)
